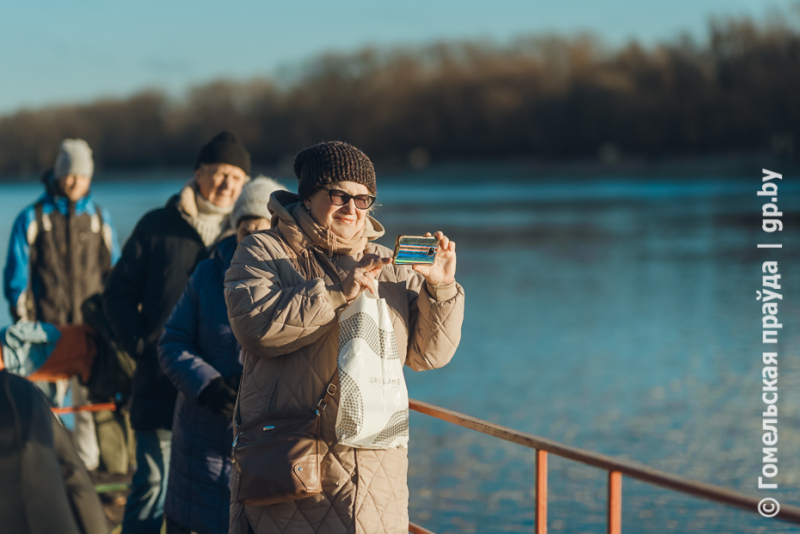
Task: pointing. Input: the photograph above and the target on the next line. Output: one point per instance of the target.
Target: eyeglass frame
(349, 197)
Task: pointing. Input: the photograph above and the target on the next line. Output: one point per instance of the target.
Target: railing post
(541, 491)
(614, 502)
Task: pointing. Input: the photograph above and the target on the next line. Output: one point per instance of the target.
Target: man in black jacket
(145, 284)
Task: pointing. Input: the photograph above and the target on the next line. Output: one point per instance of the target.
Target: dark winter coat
(198, 346)
(45, 487)
(141, 292)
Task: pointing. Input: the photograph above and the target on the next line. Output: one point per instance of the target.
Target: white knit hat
(254, 198)
(74, 157)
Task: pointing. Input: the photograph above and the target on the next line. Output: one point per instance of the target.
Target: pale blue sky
(57, 51)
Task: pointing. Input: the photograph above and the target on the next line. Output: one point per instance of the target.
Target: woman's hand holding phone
(443, 270)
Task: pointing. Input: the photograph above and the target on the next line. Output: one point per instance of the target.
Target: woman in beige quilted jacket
(284, 295)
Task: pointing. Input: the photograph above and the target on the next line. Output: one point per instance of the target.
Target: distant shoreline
(724, 166)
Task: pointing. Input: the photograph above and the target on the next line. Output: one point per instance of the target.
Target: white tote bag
(373, 405)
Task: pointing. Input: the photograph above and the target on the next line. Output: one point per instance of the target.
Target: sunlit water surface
(613, 315)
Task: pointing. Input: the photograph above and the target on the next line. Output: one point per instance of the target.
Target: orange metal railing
(615, 467)
(85, 408)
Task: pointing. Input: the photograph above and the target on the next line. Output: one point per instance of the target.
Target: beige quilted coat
(289, 333)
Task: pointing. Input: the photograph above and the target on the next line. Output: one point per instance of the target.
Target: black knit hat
(330, 162)
(225, 148)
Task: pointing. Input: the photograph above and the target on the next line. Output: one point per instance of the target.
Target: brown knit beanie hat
(330, 162)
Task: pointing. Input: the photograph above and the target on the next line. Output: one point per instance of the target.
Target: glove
(218, 397)
(233, 382)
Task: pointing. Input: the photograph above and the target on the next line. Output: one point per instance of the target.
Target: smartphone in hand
(415, 250)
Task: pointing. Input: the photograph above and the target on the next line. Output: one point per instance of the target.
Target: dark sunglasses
(340, 198)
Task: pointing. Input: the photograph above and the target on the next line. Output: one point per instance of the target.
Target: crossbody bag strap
(330, 391)
(237, 418)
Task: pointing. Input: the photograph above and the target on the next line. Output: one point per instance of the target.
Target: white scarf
(209, 220)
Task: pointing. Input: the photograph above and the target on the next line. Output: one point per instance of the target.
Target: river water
(616, 315)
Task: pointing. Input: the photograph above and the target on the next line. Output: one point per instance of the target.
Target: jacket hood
(62, 204)
(49, 181)
(280, 206)
(54, 195)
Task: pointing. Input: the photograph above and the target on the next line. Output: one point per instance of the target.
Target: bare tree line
(544, 97)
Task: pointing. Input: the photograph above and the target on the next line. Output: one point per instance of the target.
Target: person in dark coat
(165, 247)
(45, 487)
(200, 355)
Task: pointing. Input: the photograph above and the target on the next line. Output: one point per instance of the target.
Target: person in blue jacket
(62, 246)
(61, 250)
(200, 355)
